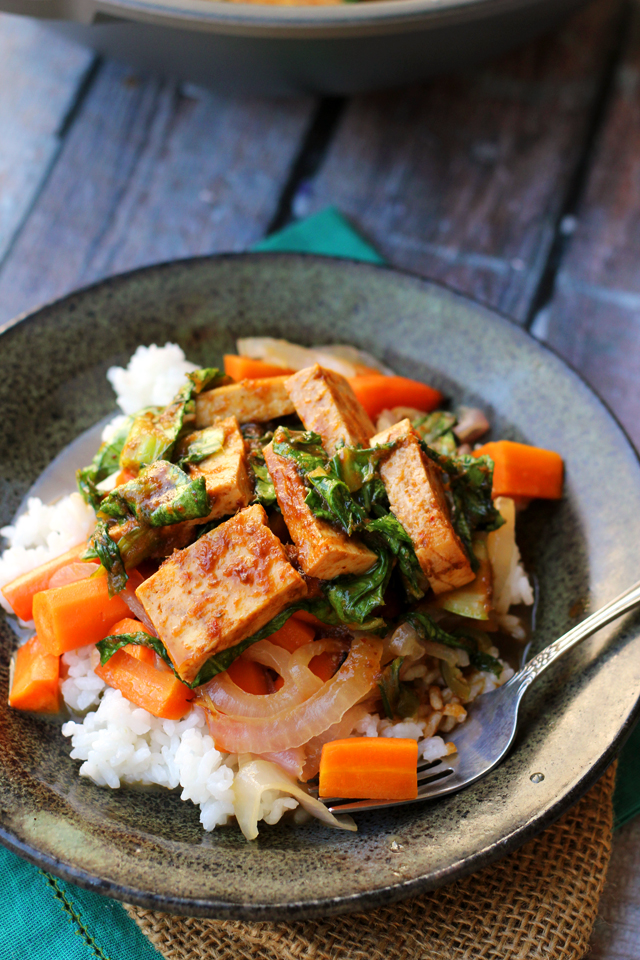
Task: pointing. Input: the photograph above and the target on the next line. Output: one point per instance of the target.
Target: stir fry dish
(299, 569)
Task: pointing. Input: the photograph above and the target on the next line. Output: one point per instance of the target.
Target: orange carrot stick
(523, 471)
(325, 665)
(307, 617)
(76, 614)
(73, 572)
(293, 634)
(35, 679)
(137, 650)
(249, 676)
(21, 591)
(159, 692)
(370, 768)
(377, 393)
(244, 368)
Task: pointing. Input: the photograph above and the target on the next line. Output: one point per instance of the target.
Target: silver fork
(485, 737)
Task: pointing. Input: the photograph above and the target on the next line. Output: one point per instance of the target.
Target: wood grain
(617, 931)
(594, 316)
(149, 173)
(463, 180)
(40, 74)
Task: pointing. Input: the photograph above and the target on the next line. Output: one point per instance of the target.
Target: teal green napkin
(43, 918)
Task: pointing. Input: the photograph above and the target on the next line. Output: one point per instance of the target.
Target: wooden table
(518, 184)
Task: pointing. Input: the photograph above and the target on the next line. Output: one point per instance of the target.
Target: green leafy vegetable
(256, 438)
(204, 443)
(114, 642)
(468, 488)
(155, 430)
(161, 494)
(305, 447)
(105, 462)
(428, 629)
(108, 552)
(436, 429)
(354, 597)
(398, 698)
(391, 532)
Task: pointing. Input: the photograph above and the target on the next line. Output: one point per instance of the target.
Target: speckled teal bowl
(148, 848)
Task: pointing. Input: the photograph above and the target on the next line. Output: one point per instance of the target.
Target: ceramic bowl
(148, 848)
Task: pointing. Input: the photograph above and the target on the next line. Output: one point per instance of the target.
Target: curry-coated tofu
(323, 551)
(326, 404)
(249, 401)
(416, 495)
(225, 471)
(220, 590)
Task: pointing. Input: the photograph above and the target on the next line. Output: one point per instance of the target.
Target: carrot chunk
(21, 591)
(370, 768)
(35, 679)
(244, 368)
(325, 665)
(158, 691)
(293, 634)
(523, 471)
(307, 617)
(377, 393)
(76, 614)
(249, 676)
(137, 650)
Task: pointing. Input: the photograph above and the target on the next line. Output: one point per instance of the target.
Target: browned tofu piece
(416, 496)
(326, 404)
(248, 401)
(323, 551)
(220, 590)
(225, 471)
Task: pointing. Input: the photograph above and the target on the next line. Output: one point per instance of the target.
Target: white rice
(152, 377)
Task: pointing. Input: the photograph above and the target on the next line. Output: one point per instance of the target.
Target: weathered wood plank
(594, 316)
(616, 934)
(463, 180)
(147, 173)
(40, 74)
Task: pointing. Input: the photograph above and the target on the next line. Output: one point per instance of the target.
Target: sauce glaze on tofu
(250, 401)
(326, 404)
(416, 495)
(220, 590)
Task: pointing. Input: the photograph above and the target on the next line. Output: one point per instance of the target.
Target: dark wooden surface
(518, 184)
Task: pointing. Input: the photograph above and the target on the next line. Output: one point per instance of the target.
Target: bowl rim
(328, 20)
(341, 904)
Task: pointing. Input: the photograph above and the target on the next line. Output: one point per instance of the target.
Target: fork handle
(616, 608)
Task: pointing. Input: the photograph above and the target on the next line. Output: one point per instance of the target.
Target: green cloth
(43, 918)
(326, 233)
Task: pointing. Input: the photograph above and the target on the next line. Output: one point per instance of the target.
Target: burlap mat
(540, 902)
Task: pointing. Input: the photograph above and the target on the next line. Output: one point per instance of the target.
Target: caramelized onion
(299, 684)
(129, 597)
(297, 725)
(291, 761)
(257, 777)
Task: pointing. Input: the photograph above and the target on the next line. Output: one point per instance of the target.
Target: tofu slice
(323, 551)
(220, 590)
(225, 472)
(327, 405)
(416, 496)
(248, 401)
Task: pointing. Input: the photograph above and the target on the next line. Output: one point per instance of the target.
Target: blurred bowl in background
(254, 48)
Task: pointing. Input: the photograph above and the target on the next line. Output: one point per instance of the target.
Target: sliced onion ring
(297, 725)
